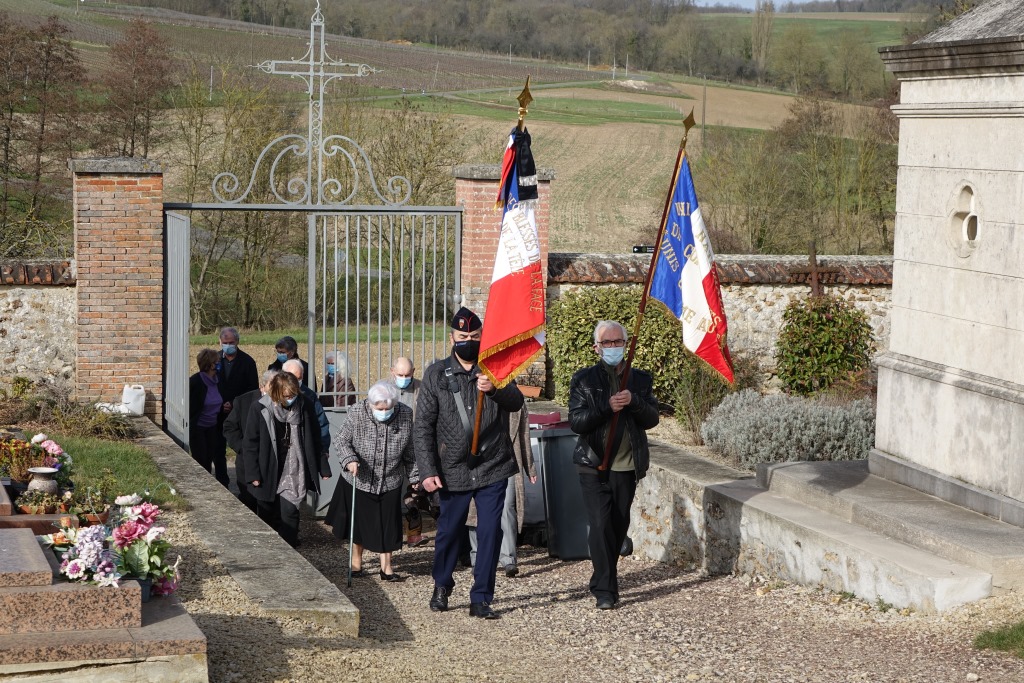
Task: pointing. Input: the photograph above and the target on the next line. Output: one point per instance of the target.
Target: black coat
(234, 430)
(260, 450)
(244, 376)
(590, 415)
(197, 399)
(441, 443)
(278, 365)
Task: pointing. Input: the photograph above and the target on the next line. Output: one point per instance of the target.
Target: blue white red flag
(513, 334)
(685, 278)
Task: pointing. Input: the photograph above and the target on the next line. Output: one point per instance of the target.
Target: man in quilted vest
(442, 433)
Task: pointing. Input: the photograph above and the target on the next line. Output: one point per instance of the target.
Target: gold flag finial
(524, 101)
(688, 123)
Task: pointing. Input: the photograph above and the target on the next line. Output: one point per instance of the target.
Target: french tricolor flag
(685, 279)
(513, 334)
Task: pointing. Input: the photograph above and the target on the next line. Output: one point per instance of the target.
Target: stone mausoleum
(951, 387)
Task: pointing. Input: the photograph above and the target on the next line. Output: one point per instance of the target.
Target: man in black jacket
(236, 375)
(443, 432)
(594, 398)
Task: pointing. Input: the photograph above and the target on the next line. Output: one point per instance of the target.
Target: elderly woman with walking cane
(376, 453)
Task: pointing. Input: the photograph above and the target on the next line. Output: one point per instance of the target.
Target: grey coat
(383, 449)
(442, 444)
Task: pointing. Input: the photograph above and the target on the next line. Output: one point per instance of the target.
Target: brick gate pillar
(476, 188)
(119, 248)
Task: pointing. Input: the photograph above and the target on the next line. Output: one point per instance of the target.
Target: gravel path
(670, 626)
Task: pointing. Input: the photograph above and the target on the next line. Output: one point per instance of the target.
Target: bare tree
(761, 34)
(137, 85)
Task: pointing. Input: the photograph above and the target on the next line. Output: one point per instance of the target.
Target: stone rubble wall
(37, 333)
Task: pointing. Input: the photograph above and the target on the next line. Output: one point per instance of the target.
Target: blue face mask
(613, 356)
(330, 368)
(403, 382)
(282, 357)
(289, 402)
(383, 415)
(229, 349)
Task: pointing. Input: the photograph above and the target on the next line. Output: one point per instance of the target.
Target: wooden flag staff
(525, 98)
(688, 123)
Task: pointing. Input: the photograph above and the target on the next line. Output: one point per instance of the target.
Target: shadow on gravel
(379, 619)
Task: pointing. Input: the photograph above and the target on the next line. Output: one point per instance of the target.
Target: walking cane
(351, 528)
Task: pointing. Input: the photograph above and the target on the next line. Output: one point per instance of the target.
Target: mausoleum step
(22, 561)
(781, 537)
(166, 646)
(847, 490)
(69, 607)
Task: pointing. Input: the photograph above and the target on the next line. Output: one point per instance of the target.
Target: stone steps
(774, 535)
(848, 491)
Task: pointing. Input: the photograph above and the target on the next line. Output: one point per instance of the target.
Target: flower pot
(43, 479)
(49, 509)
(27, 509)
(91, 518)
(146, 586)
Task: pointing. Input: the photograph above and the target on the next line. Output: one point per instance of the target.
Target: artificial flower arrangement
(17, 456)
(132, 546)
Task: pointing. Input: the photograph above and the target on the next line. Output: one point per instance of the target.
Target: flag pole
(688, 123)
(525, 98)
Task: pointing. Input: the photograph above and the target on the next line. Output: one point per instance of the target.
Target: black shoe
(483, 610)
(605, 603)
(391, 577)
(439, 600)
(511, 570)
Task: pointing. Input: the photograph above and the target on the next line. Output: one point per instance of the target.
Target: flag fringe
(521, 337)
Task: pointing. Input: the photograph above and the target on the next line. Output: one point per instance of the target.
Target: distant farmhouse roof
(988, 39)
(991, 19)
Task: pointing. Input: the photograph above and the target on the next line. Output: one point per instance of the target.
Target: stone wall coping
(116, 166)
(746, 269)
(38, 272)
(493, 172)
(975, 56)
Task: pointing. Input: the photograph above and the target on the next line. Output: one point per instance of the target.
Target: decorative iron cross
(317, 69)
(812, 271)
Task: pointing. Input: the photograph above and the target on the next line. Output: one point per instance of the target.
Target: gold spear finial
(688, 123)
(524, 101)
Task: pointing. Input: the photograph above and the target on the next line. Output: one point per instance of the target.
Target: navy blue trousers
(448, 543)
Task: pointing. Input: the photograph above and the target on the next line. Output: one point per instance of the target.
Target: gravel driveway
(671, 625)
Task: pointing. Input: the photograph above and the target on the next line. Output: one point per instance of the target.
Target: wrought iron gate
(382, 278)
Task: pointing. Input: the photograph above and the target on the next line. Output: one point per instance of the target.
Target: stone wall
(755, 290)
(37, 321)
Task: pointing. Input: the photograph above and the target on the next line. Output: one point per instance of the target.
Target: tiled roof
(732, 269)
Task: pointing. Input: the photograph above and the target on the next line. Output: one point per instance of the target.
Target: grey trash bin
(319, 503)
(565, 514)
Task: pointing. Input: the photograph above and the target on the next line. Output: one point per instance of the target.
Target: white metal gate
(383, 284)
(176, 304)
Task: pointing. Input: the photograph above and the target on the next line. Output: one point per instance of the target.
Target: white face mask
(383, 415)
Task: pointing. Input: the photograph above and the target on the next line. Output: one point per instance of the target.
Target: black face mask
(468, 350)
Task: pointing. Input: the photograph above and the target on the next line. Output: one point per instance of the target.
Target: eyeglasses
(612, 343)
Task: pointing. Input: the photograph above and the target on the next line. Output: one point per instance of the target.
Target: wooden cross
(813, 272)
